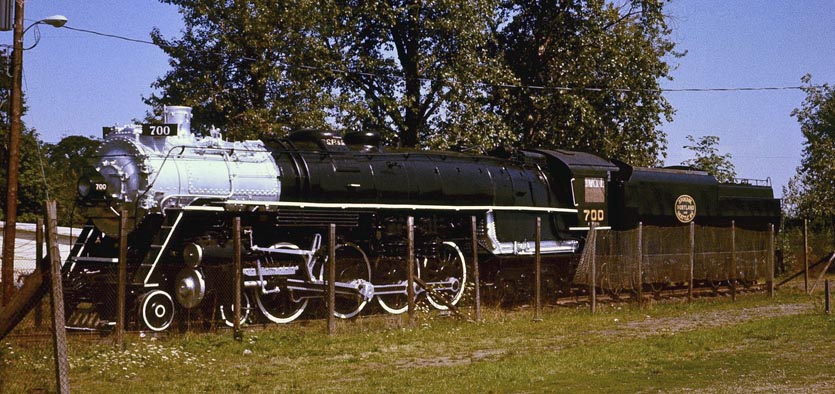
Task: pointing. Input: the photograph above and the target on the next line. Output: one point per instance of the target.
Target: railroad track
(581, 296)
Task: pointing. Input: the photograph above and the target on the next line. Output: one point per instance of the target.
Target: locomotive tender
(181, 191)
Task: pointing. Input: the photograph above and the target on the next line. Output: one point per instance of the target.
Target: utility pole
(15, 113)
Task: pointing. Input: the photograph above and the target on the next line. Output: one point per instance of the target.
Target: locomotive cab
(583, 180)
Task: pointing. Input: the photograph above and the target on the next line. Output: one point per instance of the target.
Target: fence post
(410, 270)
(640, 264)
(593, 253)
(62, 365)
(692, 261)
(332, 279)
(39, 241)
(826, 296)
(236, 285)
(806, 256)
(538, 275)
(121, 292)
(771, 260)
(732, 279)
(475, 271)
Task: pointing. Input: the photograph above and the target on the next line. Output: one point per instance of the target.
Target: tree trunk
(409, 61)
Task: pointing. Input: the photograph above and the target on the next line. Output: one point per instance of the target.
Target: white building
(25, 246)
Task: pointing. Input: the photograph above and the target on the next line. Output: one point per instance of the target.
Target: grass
(754, 344)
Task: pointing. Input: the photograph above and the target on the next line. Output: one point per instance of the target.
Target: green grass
(706, 346)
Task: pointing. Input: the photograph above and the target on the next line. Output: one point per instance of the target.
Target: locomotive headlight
(84, 187)
(91, 187)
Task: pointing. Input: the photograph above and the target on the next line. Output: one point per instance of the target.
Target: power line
(454, 82)
(110, 35)
(743, 89)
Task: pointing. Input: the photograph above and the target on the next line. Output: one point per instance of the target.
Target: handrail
(753, 182)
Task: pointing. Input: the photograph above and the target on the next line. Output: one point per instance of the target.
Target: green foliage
(790, 243)
(609, 57)
(425, 69)
(67, 161)
(48, 171)
(31, 190)
(257, 69)
(230, 66)
(428, 74)
(811, 192)
(707, 158)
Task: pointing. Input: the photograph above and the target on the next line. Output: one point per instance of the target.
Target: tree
(32, 183)
(231, 66)
(426, 69)
(707, 158)
(811, 192)
(407, 68)
(67, 161)
(428, 73)
(31, 191)
(607, 58)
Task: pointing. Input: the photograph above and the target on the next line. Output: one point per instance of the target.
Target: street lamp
(15, 113)
(54, 21)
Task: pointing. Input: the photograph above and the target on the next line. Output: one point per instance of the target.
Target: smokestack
(180, 115)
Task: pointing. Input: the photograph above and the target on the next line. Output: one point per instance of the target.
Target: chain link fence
(27, 362)
(659, 257)
(647, 258)
(819, 240)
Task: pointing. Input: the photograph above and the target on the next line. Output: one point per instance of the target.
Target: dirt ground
(692, 321)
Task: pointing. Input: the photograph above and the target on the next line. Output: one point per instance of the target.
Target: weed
(754, 344)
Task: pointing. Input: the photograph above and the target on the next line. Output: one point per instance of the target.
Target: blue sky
(748, 44)
(76, 83)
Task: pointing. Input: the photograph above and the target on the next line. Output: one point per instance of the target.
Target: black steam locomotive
(180, 193)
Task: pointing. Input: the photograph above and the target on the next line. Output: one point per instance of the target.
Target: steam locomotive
(180, 192)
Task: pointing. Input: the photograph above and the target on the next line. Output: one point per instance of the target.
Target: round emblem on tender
(685, 208)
